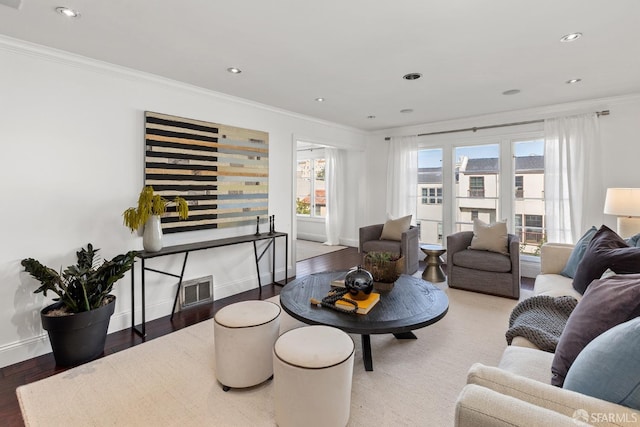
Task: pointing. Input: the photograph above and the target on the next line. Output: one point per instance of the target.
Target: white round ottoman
(312, 373)
(244, 334)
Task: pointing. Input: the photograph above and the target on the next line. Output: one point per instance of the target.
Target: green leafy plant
(150, 204)
(84, 286)
(383, 266)
(302, 207)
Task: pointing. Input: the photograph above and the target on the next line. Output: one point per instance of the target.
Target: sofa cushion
(528, 362)
(381, 246)
(606, 250)
(490, 237)
(608, 366)
(605, 304)
(482, 260)
(555, 285)
(393, 228)
(577, 253)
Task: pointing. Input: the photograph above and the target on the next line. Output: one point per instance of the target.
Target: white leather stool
(244, 335)
(312, 374)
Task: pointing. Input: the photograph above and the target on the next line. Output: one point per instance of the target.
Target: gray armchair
(408, 246)
(483, 271)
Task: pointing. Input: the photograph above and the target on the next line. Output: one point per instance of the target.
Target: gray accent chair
(408, 246)
(483, 271)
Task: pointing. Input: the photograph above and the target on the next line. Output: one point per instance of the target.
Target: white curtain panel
(402, 177)
(335, 191)
(571, 181)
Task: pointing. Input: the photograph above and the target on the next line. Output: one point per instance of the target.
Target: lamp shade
(622, 202)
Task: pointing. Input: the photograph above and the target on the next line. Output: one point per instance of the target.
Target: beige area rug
(170, 381)
(306, 249)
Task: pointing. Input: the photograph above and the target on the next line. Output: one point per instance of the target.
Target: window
(529, 206)
(476, 186)
(473, 187)
(430, 191)
(533, 229)
(311, 198)
(432, 196)
(517, 226)
(519, 186)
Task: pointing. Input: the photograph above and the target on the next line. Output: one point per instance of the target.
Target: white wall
(72, 142)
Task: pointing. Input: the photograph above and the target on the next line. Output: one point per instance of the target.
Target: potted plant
(384, 266)
(77, 323)
(150, 207)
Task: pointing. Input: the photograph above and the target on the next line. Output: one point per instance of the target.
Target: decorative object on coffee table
(433, 271)
(385, 267)
(359, 284)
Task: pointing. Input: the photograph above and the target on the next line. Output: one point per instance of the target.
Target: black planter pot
(80, 337)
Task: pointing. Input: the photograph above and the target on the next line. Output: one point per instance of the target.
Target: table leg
(366, 353)
(405, 336)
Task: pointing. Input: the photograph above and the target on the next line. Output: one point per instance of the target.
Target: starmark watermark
(582, 417)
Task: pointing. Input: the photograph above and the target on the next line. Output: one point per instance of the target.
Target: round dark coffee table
(411, 304)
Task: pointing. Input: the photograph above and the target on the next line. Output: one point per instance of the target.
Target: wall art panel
(222, 171)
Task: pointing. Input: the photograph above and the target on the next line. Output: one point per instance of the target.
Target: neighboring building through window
(311, 198)
(533, 229)
(432, 196)
(519, 186)
(476, 186)
(477, 190)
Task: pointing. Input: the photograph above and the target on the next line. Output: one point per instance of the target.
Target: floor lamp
(625, 204)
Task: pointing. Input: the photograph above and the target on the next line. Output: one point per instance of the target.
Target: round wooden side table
(433, 272)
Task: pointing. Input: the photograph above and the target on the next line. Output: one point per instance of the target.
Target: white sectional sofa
(518, 391)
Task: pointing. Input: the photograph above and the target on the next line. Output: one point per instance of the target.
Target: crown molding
(22, 47)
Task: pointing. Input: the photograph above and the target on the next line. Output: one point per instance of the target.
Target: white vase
(152, 235)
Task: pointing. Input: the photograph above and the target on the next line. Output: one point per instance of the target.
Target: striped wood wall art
(222, 171)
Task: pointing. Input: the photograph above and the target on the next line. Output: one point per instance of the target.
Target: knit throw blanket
(541, 319)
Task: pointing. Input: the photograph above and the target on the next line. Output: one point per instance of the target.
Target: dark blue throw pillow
(577, 253)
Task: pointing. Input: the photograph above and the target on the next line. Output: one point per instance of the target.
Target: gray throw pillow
(605, 304)
(577, 253)
(393, 228)
(605, 250)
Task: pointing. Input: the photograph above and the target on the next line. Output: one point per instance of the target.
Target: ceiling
(354, 53)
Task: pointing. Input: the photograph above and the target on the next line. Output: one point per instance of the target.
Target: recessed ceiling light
(511, 92)
(407, 111)
(572, 81)
(570, 37)
(69, 13)
(320, 99)
(412, 76)
(234, 70)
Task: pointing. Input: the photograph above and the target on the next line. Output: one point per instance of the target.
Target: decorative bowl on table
(359, 283)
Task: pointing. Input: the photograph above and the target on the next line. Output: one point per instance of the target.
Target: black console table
(191, 247)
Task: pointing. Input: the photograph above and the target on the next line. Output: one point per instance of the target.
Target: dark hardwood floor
(44, 366)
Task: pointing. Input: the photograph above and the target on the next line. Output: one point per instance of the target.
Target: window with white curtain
(311, 197)
(492, 180)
